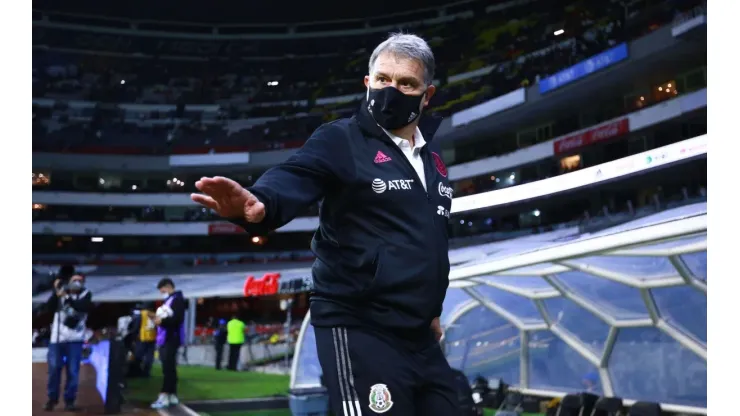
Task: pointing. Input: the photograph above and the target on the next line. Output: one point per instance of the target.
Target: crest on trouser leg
(380, 398)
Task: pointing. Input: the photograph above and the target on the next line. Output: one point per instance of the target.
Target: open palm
(228, 199)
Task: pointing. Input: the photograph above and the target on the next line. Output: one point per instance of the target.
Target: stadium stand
(574, 132)
(97, 73)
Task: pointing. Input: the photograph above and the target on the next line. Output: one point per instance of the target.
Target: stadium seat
(570, 406)
(607, 406)
(577, 404)
(645, 409)
(588, 400)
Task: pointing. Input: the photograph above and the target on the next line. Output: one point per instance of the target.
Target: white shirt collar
(419, 141)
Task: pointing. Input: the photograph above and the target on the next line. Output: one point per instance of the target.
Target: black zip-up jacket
(81, 304)
(381, 246)
(172, 329)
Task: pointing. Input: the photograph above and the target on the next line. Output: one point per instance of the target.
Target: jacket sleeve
(135, 324)
(178, 314)
(302, 180)
(52, 304)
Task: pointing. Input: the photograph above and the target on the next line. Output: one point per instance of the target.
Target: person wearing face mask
(71, 302)
(170, 321)
(381, 269)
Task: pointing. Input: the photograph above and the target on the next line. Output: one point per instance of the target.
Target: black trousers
(219, 355)
(368, 372)
(168, 356)
(234, 350)
(145, 356)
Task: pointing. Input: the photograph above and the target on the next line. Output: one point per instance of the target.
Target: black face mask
(393, 109)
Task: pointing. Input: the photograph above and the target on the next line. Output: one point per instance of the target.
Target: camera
(71, 318)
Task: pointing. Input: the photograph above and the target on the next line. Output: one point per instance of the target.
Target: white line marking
(356, 398)
(345, 374)
(339, 371)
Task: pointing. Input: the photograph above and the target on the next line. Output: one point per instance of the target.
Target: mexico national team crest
(439, 164)
(380, 398)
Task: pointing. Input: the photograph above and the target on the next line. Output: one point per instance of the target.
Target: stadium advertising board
(100, 360)
(640, 162)
(593, 135)
(582, 69)
(271, 284)
(224, 228)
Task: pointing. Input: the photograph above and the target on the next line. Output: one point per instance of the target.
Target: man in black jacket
(381, 269)
(70, 302)
(219, 340)
(170, 319)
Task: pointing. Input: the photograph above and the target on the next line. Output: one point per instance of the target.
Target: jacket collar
(428, 124)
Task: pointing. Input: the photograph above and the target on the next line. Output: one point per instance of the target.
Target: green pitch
(205, 383)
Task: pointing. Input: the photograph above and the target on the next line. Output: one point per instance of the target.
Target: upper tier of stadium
(190, 15)
(94, 94)
(481, 53)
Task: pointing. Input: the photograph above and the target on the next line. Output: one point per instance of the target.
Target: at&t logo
(380, 186)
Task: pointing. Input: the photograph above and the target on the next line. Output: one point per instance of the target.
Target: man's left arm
(178, 314)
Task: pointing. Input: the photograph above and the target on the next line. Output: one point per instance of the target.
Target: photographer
(70, 302)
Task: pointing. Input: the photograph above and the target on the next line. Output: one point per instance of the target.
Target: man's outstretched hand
(437, 330)
(229, 199)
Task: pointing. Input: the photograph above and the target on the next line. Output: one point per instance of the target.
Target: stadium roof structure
(137, 288)
(113, 285)
(621, 312)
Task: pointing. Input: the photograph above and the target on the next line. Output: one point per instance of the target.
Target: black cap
(66, 271)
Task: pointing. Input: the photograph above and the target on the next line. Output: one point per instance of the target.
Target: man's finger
(255, 213)
(251, 199)
(222, 180)
(205, 200)
(226, 184)
(214, 190)
(208, 182)
(205, 183)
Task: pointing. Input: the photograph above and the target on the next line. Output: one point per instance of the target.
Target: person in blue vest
(170, 321)
(381, 269)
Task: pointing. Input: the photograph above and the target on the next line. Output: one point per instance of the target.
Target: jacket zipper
(432, 213)
(411, 167)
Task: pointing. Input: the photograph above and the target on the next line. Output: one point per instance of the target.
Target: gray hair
(407, 46)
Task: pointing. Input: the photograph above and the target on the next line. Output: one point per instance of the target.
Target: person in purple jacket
(170, 319)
